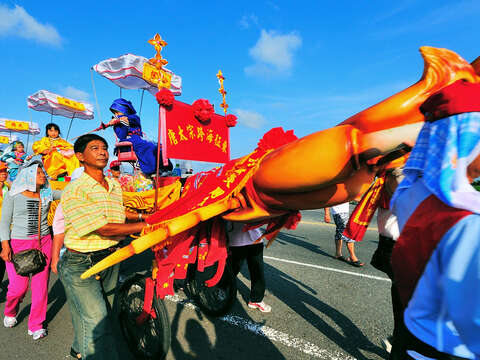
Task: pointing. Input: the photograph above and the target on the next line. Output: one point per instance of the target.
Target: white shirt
(238, 237)
(387, 224)
(341, 208)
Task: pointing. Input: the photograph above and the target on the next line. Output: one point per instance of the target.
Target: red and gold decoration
(144, 200)
(205, 196)
(222, 91)
(158, 43)
(195, 132)
(153, 70)
(230, 120)
(363, 213)
(202, 197)
(265, 185)
(202, 110)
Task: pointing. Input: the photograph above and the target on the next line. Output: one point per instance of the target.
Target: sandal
(341, 258)
(357, 263)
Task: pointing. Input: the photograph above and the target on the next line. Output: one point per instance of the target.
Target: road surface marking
(270, 333)
(327, 268)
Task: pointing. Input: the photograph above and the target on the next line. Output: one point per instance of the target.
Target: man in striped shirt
(94, 224)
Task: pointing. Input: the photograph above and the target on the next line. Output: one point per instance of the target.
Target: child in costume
(15, 156)
(58, 155)
(127, 127)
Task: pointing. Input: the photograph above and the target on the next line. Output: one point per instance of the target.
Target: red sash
(363, 213)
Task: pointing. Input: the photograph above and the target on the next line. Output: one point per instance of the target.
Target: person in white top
(243, 245)
(340, 214)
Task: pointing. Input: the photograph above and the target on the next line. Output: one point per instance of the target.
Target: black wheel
(150, 340)
(215, 300)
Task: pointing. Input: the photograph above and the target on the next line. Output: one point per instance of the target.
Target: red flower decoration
(231, 120)
(202, 110)
(165, 97)
(276, 138)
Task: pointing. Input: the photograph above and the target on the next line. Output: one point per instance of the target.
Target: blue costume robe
(146, 151)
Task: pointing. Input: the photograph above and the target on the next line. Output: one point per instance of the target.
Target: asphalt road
(322, 308)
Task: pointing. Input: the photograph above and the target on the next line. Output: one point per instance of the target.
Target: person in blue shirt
(176, 170)
(436, 261)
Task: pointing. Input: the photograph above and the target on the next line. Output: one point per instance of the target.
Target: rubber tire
(151, 340)
(216, 300)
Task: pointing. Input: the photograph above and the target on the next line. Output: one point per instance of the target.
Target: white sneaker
(38, 334)
(265, 308)
(9, 321)
(387, 344)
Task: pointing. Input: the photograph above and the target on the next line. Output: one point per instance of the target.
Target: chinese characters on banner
(4, 140)
(16, 125)
(189, 139)
(71, 103)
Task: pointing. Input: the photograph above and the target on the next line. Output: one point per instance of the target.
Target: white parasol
(54, 104)
(128, 72)
(23, 127)
(17, 126)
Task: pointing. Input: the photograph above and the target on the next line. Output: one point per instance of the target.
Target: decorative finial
(222, 91)
(158, 43)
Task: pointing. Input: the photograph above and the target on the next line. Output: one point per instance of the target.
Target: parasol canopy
(23, 127)
(129, 72)
(54, 104)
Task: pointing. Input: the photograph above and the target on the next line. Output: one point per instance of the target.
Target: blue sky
(302, 65)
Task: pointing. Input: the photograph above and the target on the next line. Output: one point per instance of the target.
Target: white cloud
(250, 118)
(17, 22)
(273, 53)
(75, 94)
(248, 20)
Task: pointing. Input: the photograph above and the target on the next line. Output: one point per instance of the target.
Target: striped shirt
(87, 206)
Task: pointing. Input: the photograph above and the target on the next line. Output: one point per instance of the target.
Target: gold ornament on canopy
(158, 43)
(153, 71)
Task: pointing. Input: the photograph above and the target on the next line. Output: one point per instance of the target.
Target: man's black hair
(82, 142)
(52, 125)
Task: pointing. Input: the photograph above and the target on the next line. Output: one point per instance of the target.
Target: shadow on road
(289, 239)
(289, 290)
(230, 342)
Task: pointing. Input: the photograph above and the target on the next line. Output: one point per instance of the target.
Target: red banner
(189, 138)
(363, 213)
